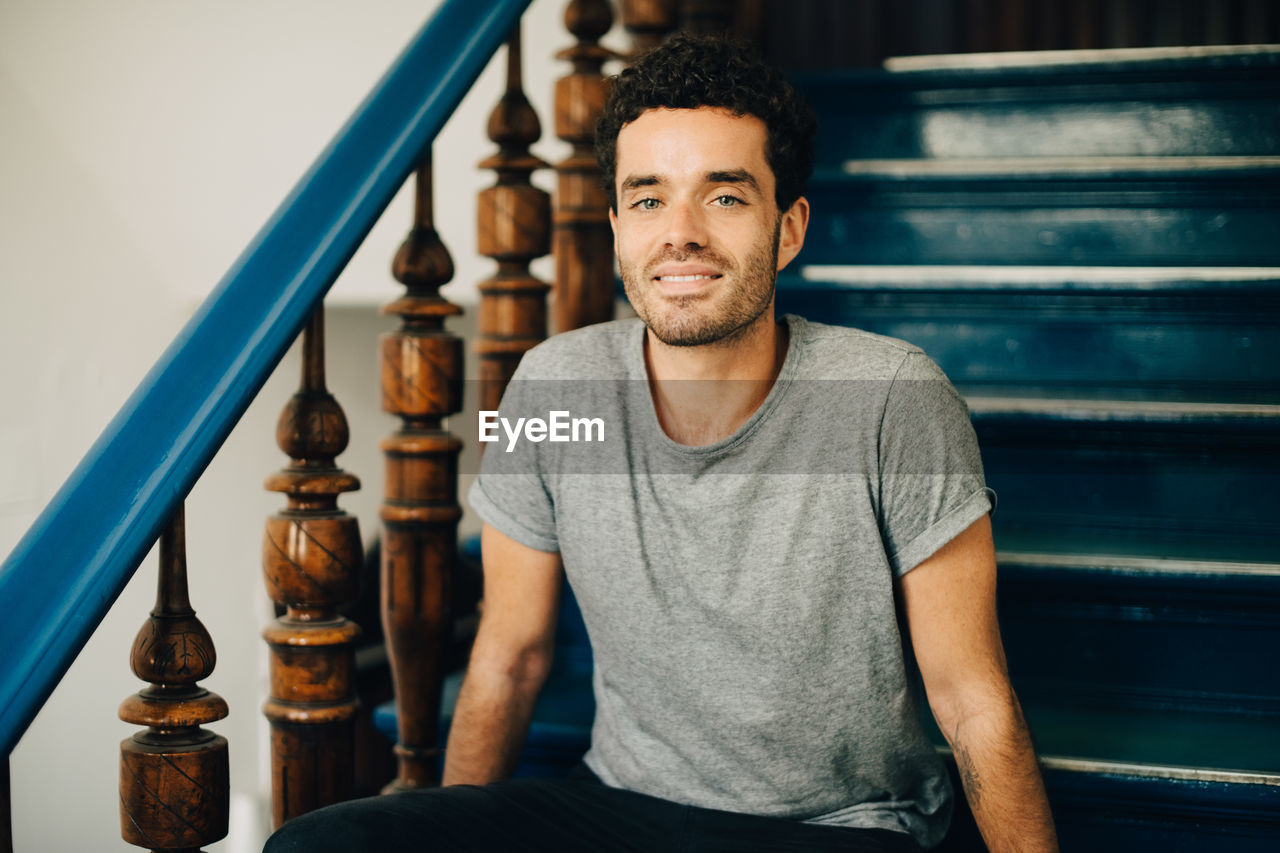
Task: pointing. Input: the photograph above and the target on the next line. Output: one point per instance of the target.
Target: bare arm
(509, 661)
(950, 607)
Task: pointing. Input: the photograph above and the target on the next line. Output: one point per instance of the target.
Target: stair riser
(1218, 106)
(1201, 644)
(1177, 489)
(1223, 222)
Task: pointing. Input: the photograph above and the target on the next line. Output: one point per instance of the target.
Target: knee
(327, 830)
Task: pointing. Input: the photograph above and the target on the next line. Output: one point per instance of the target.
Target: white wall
(142, 144)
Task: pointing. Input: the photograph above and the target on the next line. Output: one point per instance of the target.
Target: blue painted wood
(1104, 635)
(1133, 480)
(64, 574)
(1123, 812)
(914, 215)
(1106, 812)
(1205, 106)
(1165, 336)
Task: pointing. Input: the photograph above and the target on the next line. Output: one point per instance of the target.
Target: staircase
(1088, 247)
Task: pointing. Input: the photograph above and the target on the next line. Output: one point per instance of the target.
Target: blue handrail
(60, 580)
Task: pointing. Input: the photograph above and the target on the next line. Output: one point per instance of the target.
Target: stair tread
(1110, 767)
(1093, 411)
(1161, 771)
(1056, 60)
(1055, 167)
(1193, 746)
(1138, 566)
(1066, 278)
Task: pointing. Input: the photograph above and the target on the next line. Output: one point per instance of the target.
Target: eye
(645, 204)
(728, 201)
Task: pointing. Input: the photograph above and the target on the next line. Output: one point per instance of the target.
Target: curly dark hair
(691, 71)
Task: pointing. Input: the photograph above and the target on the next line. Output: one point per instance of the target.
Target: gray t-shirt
(739, 596)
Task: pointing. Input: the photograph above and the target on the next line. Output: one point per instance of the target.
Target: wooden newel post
(514, 227)
(311, 560)
(422, 385)
(174, 779)
(583, 242)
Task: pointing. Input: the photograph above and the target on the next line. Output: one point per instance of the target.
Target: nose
(686, 226)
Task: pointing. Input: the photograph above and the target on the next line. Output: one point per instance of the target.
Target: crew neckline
(796, 327)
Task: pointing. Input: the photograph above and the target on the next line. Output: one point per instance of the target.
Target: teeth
(684, 277)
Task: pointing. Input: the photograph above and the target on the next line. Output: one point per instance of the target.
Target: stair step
(1191, 333)
(1156, 217)
(1204, 747)
(1130, 641)
(1003, 278)
(1114, 168)
(1148, 478)
(1109, 806)
(1162, 101)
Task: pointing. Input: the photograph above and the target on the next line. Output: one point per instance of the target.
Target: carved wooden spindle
(174, 782)
(583, 242)
(649, 22)
(514, 227)
(311, 560)
(422, 384)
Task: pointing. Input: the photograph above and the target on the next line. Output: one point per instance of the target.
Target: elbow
(523, 665)
(988, 705)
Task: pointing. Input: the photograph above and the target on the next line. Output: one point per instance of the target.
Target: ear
(613, 224)
(791, 231)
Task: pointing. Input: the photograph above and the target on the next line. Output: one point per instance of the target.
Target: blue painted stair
(1091, 250)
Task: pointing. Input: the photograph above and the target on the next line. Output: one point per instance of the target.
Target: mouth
(685, 277)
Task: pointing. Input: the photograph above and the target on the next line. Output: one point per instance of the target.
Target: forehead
(685, 143)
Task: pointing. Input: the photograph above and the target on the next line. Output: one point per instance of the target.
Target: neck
(704, 394)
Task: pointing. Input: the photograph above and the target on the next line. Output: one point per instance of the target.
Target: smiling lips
(685, 274)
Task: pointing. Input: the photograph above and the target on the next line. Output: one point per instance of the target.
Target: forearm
(489, 726)
(1001, 776)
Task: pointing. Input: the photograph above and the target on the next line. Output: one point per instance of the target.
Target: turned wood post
(311, 560)
(649, 22)
(583, 242)
(422, 385)
(174, 778)
(513, 227)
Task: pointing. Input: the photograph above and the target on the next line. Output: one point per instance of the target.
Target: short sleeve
(931, 481)
(511, 492)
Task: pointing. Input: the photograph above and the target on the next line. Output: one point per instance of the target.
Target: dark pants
(578, 813)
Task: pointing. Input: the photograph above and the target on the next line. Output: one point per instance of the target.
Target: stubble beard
(701, 319)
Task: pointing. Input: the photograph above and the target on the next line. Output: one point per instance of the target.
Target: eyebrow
(727, 176)
(635, 181)
(734, 176)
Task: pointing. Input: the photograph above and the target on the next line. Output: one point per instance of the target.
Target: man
(785, 520)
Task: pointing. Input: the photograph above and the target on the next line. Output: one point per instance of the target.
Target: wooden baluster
(174, 782)
(649, 22)
(583, 241)
(514, 224)
(311, 560)
(422, 384)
